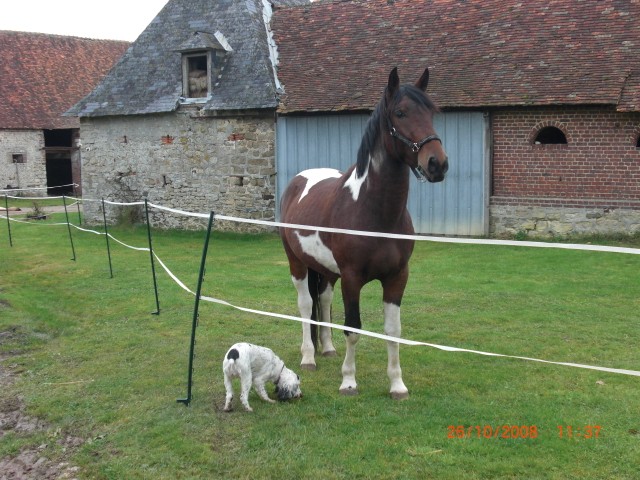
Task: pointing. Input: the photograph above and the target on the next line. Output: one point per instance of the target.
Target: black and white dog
(257, 365)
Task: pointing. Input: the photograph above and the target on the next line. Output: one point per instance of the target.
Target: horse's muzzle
(436, 169)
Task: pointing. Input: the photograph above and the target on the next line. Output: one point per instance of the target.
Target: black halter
(415, 147)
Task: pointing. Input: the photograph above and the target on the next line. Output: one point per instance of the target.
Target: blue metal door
(457, 206)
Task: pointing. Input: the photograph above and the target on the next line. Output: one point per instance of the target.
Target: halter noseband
(415, 148)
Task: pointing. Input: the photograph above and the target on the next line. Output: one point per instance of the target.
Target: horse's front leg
(305, 305)
(351, 297)
(392, 328)
(392, 297)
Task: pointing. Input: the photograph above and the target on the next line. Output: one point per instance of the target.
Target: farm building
(540, 108)
(41, 76)
(540, 105)
(187, 116)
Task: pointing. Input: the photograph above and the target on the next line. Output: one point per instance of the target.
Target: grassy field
(95, 363)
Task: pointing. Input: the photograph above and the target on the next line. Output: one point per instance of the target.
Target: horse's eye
(399, 113)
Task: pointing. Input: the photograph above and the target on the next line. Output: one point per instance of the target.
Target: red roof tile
(42, 76)
(335, 55)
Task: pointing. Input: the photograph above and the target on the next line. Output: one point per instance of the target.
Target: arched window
(550, 136)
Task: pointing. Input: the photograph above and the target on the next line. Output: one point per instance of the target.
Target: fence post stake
(66, 213)
(75, 194)
(194, 324)
(6, 205)
(106, 235)
(153, 267)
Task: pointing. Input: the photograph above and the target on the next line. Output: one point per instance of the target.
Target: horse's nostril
(433, 166)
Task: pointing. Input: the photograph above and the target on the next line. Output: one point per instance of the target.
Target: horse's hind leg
(305, 306)
(326, 297)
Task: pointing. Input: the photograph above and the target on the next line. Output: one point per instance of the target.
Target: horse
(370, 196)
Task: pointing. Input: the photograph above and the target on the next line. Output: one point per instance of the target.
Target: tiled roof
(42, 75)
(148, 78)
(336, 55)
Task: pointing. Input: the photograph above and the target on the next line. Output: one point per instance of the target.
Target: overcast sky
(113, 20)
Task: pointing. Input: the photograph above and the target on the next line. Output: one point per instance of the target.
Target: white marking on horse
(354, 183)
(392, 327)
(316, 175)
(313, 246)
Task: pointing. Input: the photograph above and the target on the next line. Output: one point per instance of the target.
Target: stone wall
(30, 174)
(182, 161)
(546, 221)
(591, 184)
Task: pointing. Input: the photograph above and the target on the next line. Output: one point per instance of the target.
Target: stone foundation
(547, 222)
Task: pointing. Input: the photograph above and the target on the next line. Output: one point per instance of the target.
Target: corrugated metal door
(457, 206)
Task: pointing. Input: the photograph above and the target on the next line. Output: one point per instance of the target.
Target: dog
(257, 365)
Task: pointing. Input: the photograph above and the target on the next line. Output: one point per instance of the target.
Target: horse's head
(408, 117)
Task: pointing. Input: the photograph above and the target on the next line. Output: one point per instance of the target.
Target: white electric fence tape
(36, 188)
(599, 248)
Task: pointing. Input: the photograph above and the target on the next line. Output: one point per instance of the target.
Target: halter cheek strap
(415, 146)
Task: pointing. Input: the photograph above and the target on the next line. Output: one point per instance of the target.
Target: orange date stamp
(508, 431)
(492, 431)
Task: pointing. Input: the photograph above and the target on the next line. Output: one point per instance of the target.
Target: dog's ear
(283, 394)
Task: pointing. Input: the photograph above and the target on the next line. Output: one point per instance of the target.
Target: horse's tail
(314, 290)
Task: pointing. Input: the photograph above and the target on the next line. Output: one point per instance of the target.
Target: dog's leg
(246, 381)
(262, 393)
(229, 388)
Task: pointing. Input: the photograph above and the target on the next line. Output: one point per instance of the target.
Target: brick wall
(196, 164)
(595, 177)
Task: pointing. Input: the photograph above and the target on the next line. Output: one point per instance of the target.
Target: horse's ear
(394, 83)
(423, 81)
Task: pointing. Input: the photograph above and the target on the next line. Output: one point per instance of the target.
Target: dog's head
(288, 385)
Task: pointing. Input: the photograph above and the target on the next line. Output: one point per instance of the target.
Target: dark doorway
(59, 174)
(58, 145)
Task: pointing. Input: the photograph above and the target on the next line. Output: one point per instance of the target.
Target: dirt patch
(30, 463)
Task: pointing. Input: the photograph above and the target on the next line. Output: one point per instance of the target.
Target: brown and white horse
(372, 196)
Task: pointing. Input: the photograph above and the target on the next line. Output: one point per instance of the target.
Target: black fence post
(153, 267)
(75, 194)
(66, 213)
(6, 205)
(194, 324)
(106, 235)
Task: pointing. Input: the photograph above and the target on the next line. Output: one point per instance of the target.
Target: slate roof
(336, 55)
(148, 78)
(42, 75)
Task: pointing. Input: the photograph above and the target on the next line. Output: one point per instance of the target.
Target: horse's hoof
(349, 392)
(308, 366)
(399, 395)
(330, 353)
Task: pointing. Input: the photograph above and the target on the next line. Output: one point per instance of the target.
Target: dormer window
(203, 58)
(196, 68)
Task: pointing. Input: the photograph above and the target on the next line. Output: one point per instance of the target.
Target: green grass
(96, 364)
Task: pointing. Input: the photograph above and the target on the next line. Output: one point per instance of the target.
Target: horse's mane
(377, 122)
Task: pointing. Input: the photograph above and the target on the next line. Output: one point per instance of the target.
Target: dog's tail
(233, 354)
(314, 290)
